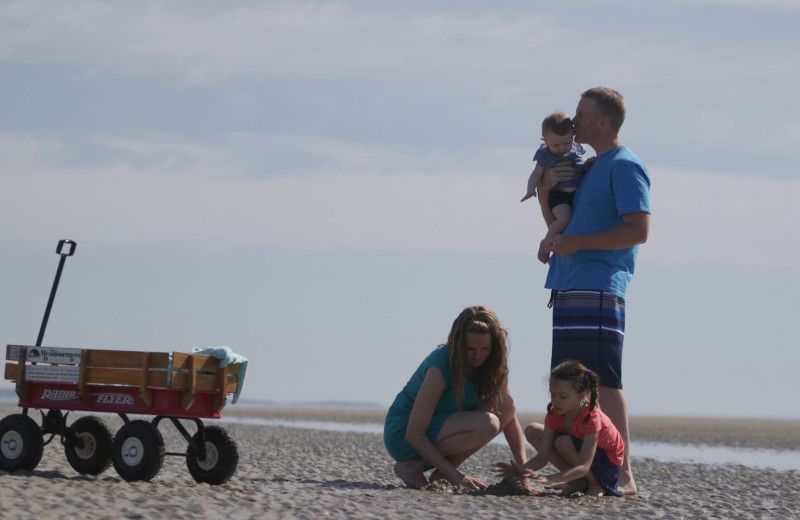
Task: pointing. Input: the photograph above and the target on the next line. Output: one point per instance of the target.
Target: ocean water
(783, 460)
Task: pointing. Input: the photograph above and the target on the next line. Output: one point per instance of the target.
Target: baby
(558, 146)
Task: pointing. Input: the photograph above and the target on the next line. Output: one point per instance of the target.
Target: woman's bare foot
(411, 474)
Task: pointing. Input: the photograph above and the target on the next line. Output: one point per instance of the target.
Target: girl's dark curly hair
(581, 379)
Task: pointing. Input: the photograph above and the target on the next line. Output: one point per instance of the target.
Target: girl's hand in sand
(510, 468)
(513, 469)
(546, 481)
(526, 484)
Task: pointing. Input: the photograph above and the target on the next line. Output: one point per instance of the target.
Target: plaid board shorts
(589, 326)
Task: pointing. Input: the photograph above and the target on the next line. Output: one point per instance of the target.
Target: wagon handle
(60, 251)
(61, 244)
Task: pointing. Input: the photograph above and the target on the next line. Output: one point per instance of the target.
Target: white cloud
(359, 200)
(195, 43)
(462, 62)
(780, 5)
(324, 191)
(710, 218)
(201, 45)
(329, 128)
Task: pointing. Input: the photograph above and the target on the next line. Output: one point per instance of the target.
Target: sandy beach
(288, 472)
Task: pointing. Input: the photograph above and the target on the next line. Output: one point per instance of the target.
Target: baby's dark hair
(581, 379)
(558, 123)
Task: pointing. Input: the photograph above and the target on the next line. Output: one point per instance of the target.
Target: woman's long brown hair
(491, 378)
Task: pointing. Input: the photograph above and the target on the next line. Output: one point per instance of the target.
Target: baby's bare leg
(563, 214)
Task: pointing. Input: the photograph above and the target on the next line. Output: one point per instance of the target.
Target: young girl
(578, 438)
(454, 404)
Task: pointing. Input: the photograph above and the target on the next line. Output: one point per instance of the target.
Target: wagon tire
(92, 454)
(221, 456)
(138, 451)
(21, 443)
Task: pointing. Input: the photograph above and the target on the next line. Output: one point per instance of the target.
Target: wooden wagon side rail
(147, 371)
(201, 373)
(144, 370)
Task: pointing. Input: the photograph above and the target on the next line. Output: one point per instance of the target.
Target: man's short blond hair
(609, 103)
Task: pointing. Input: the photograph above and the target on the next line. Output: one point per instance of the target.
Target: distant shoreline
(775, 434)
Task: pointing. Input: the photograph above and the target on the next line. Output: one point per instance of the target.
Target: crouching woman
(454, 404)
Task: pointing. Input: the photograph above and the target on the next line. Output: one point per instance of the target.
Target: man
(593, 260)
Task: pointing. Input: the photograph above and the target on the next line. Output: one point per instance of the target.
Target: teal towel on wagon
(226, 356)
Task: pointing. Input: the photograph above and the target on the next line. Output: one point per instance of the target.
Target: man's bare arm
(633, 231)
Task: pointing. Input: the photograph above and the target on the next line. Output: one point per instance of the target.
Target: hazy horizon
(324, 186)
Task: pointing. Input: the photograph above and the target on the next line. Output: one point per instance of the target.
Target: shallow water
(783, 460)
(696, 453)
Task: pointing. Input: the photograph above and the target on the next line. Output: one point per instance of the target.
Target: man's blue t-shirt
(615, 185)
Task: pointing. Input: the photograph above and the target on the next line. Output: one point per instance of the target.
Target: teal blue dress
(394, 429)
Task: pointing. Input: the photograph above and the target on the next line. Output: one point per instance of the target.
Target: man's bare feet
(627, 486)
(411, 474)
(628, 489)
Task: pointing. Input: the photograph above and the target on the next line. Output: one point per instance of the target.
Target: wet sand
(287, 472)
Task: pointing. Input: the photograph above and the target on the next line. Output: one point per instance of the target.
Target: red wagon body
(171, 386)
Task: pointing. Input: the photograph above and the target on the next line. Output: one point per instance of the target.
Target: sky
(324, 186)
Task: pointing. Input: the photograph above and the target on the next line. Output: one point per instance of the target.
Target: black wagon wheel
(221, 456)
(21, 443)
(138, 451)
(89, 453)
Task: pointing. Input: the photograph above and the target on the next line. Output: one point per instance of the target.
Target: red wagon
(175, 386)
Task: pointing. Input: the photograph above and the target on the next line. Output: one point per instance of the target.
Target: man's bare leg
(613, 404)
